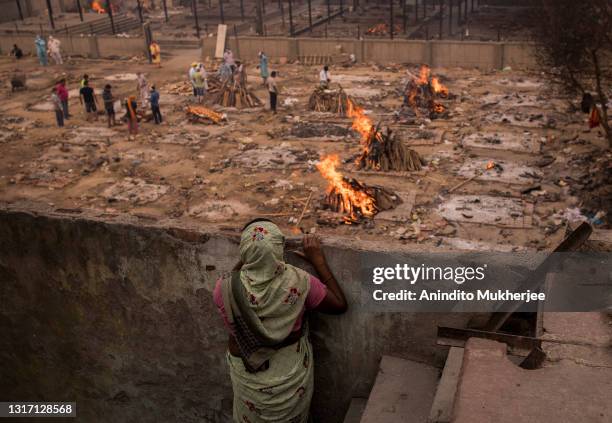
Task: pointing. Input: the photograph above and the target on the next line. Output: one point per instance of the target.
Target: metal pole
(242, 10)
(341, 8)
(259, 12)
(459, 14)
(404, 17)
(465, 14)
(416, 11)
(194, 5)
(165, 10)
(472, 6)
(290, 18)
(109, 6)
(282, 10)
(328, 9)
(50, 9)
(19, 9)
(221, 14)
(78, 5)
(424, 9)
(391, 23)
(139, 11)
(450, 17)
(441, 17)
(310, 14)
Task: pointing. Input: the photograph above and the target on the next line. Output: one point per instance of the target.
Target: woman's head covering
(274, 290)
(261, 252)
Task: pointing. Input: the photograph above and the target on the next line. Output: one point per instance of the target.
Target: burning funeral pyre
(201, 113)
(356, 200)
(330, 100)
(420, 95)
(381, 151)
(234, 92)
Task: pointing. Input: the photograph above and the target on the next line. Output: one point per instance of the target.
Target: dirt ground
(259, 164)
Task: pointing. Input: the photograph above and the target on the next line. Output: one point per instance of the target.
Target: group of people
(89, 99)
(51, 47)
(198, 80)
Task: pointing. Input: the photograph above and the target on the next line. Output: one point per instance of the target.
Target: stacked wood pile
(233, 93)
(204, 114)
(330, 100)
(384, 152)
(185, 88)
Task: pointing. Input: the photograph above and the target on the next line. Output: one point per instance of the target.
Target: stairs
(123, 23)
(409, 392)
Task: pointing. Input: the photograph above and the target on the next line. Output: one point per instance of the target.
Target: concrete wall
(93, 47)
(484, 55)
(118, 316)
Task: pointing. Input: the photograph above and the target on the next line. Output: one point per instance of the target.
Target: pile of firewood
(233, 93)
(330, 100)
(204, 114)
(384, 152)
(185, 88)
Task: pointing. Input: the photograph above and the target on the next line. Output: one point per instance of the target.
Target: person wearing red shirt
(62, 93)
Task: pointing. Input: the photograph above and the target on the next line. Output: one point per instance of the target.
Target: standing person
(85, 80)
(62, 93)
(54, 50)
(109, 104)
(16, 52)
(57, 108)
(192, 71)
(88, 96)
(273, 90)
(262, 305)
(154, 100)
(155, 51)
(199, 83)
(263, 67)
(143, 89)
(324, 78)
(41, 50)
(228, 58)
(132, 120)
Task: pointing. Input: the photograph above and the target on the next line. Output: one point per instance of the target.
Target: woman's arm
(334, 302)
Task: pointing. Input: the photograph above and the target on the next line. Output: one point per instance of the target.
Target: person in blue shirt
(263, 67)
(154, 101)
(41, 50)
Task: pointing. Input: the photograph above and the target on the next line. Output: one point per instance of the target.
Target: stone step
(442, 408)
(355, 411)
(403, 392)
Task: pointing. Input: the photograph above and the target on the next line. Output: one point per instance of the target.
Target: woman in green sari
(263, 304)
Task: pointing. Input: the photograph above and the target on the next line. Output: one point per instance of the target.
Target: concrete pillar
(501, 55)
(293, 48)
(359, 50)
(428, 56)
(94, 49)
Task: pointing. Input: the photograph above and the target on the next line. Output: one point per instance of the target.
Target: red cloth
(62, 92)
(594, 120)
(316, 294)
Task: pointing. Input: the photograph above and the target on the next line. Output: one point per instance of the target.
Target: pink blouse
(317, 292)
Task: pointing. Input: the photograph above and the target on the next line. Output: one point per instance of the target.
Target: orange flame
(438, 87)
(352, 200)
(97, 7)
(490, 165)
(424, 74)
(361, 123)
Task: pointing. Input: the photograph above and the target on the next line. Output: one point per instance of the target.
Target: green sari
(272, 381)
